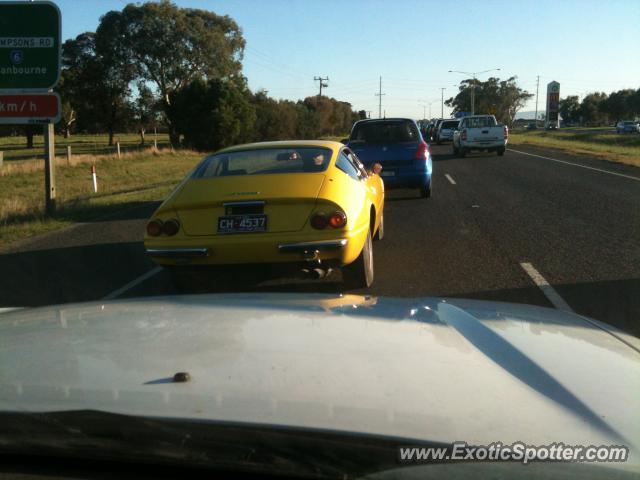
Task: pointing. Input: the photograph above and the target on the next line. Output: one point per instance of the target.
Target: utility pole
(380, 94)
(322, 83)
(49, 169)
(442, 89)
(537, 85)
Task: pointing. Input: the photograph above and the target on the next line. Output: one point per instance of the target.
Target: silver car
(628, 127)
(445, 131)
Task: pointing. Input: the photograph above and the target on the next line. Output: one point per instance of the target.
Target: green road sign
(29, 45)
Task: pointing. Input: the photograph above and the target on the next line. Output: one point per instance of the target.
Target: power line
(322, 83)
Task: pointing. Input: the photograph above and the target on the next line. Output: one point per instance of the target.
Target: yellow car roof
(284, 144)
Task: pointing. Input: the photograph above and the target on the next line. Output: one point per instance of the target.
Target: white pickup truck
(480, 132)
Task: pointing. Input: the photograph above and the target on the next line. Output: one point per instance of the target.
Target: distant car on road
(397, 145)
(480, 132)
(628, 127)
(434, 129)
(310, 204)
(445, 131)
(532, 126)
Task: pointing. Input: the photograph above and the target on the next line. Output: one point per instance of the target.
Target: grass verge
(122, 183)
(607, 146)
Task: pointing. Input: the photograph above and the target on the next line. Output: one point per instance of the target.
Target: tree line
(598, 108)
(502, 98)
(158, 65)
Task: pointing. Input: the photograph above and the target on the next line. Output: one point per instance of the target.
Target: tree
(145, 108)
(213, 114)
(592, 109)
(619, 104)
(570, 109)
(172, 46)
(502, 98)
(95, 81)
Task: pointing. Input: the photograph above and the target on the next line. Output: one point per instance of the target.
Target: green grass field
(135, 178)
(15, 148)
(608, 146)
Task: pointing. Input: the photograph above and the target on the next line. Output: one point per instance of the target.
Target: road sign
(29, 108)
(29, 45)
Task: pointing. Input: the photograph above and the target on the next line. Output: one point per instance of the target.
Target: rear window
(265, 161)
(385, 132)
(630, 123)
(450, 125)
(479, 122)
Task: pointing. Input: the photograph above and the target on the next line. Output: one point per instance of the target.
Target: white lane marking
(631, 177)
(547, 289)
(133, 283)
(451, 180)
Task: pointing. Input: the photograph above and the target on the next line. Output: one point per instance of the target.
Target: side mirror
(344, 141)
(376, 168)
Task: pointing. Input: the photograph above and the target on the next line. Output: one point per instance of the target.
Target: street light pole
(473, 85)
(442, 89)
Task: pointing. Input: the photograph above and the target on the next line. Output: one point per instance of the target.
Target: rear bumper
(178, 252)
(340, 249)
(484, 145)
(407, 180)
(415, 175)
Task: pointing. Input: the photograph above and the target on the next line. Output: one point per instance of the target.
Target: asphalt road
(497, 228)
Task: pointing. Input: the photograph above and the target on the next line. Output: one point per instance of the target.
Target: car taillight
(318, 221)
(463, 135)
(171, 227)
(337, 220)
(154, 228)
(422, 153)
(506, 133)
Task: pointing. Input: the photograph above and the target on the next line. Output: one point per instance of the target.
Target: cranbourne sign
(30, 34)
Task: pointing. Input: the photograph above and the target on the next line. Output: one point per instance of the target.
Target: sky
(585, 45)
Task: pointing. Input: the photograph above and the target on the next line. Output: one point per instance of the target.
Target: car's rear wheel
(455, 149)
(501, 151)
(359, 274)
(380, 233)
(425, 190)
(463, 152)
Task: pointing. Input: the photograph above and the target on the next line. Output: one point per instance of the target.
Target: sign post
(30, 52)
(553, 106)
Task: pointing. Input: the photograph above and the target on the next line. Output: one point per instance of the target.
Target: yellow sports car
(306, 203)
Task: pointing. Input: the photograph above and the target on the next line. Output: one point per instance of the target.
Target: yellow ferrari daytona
(310, 204)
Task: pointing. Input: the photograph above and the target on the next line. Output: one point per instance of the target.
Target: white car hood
(428, 369)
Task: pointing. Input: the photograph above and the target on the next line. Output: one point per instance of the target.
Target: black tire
(455, 149)
(500, 151)
(425, 190)
(359, 274)
(380, 233)
(463, 152)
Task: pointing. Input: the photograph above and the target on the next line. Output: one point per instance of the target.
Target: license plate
(242, 223)
(387, 173)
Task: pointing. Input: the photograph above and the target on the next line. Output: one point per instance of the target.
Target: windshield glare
(264, 162)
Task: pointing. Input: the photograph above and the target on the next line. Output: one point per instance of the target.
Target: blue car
(397, 145)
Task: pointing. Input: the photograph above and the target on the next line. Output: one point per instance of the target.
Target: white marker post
(95, 179)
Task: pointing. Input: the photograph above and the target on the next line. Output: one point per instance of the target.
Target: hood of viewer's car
(419, 368)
